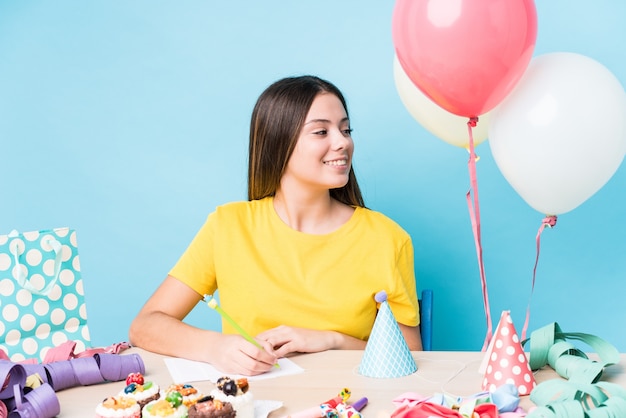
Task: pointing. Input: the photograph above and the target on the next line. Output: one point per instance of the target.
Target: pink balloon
(466, 55)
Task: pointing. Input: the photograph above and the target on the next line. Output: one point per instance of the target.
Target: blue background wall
(128, 121)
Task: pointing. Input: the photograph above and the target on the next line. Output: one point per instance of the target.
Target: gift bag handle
(21, 276)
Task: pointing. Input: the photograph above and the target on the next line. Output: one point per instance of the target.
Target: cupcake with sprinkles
(140, 390)
(190, 393)
(118, 407)
(207, 407)
(170, 406)
(237, 393)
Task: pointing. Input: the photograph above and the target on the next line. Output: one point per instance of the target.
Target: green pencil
(212, 303)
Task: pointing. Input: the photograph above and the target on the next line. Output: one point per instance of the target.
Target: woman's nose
(341, 140)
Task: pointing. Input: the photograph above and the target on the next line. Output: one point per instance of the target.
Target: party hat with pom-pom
(506, 361)
(386, 353)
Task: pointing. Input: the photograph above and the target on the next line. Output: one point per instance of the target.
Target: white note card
(185, 371)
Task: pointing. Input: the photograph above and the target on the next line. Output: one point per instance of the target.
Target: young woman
(299, 263)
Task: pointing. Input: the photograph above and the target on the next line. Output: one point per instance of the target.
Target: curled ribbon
(550, 222)
(4, 413)
(24, 400)
(582, 394)
(558, 398)
(474, 211)
(501, 403)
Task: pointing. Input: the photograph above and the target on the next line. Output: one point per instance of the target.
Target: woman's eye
(347, 131)
(320, 132)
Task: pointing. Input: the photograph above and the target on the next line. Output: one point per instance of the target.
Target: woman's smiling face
(323, 154)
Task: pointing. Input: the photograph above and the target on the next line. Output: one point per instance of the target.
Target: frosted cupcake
(190, 394)
(171, 406)
(140, 390)
(118, 407)
(207, 407)
(236, 393)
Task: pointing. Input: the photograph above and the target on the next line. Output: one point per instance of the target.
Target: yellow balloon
(444, 125)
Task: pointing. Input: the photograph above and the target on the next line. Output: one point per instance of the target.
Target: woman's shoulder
(380, 221)
(243, 207)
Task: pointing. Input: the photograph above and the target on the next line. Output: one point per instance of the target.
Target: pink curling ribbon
(428, 410)
(4, 413)
(499, 404)
(66, 350)
(474, 211)
(550, 222)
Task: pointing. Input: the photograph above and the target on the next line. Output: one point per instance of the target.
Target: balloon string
(549, 221)
(474, 211)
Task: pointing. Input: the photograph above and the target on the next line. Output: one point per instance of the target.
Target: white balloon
(560, 135)
(444, 125)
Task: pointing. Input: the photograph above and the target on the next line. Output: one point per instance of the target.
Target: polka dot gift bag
(42, 303)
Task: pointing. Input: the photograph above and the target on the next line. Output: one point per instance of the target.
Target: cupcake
(207, 407)
(140, 390)
(190, 394)
(118, 407)
(171, 406)
(236, 393)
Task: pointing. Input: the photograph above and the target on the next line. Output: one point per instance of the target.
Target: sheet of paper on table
(184, 371)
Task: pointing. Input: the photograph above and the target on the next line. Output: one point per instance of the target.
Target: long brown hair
(277, 119)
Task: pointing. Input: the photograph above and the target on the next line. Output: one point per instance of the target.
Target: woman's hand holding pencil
(212, 303)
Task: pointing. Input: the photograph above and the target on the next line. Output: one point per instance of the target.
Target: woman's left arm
(412, 337)
(286, 340)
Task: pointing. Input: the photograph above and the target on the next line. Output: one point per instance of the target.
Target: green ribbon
(582, 395)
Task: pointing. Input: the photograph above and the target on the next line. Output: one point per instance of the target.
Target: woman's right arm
(159, 328)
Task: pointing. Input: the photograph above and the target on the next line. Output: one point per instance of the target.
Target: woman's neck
(313, 214)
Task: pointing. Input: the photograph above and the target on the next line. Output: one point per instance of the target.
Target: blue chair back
(426, 319)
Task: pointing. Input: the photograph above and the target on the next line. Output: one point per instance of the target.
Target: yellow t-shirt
(269, 274)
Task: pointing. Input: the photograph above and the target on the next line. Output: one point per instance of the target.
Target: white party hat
(506, 360)
(386, 353)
